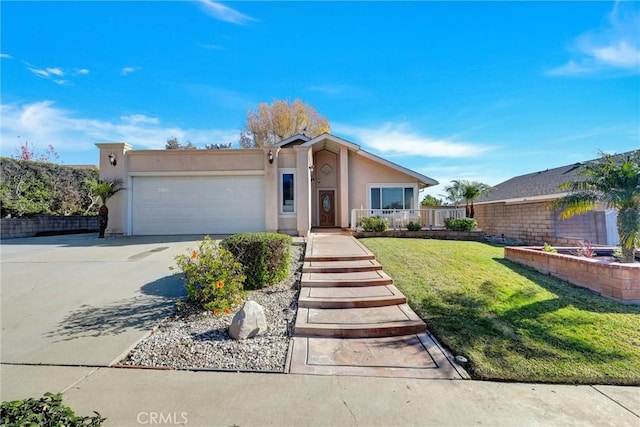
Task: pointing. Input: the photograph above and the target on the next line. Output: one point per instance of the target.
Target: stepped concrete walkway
(352, 320)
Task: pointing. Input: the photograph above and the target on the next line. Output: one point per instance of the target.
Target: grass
(512, 323)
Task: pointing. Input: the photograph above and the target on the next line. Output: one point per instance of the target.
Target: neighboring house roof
(541, 185)
(330, 142)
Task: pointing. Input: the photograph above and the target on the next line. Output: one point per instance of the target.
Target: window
(288, 193)
(389, 197)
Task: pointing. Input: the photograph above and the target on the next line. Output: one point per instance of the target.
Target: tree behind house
(272, 123)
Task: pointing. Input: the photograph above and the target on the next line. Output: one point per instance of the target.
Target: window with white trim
(391, 197)
(287, 192)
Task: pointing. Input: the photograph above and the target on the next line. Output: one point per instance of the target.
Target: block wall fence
(534, 224)
(12, 228)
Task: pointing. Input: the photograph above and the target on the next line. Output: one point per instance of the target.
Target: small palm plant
(104, 189)
(615, 181)
(469, 191)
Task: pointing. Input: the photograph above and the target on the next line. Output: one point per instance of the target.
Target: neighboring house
(290, 187)
(517, 209)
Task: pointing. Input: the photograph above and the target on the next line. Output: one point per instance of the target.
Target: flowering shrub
(212, 276)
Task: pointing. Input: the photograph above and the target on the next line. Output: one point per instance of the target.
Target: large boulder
(248, 322)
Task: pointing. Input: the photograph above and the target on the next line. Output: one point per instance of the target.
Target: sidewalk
(130, 397)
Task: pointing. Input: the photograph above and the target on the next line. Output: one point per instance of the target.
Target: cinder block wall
(12, 228)
(534, 224)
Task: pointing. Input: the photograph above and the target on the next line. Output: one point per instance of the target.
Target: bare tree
(271, 123)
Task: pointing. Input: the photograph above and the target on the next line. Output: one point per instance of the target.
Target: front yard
(512, 323)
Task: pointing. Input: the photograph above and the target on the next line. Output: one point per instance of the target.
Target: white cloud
(614, 47)
(5, 56)
(394, 138)
(128, 70)
(224, 13)
(140, 118)
(53, 73)
(42, 123)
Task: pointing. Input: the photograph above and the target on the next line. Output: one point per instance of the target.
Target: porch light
(270, 156)
(112, 159)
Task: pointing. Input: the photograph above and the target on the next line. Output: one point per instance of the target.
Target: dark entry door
(327, 207)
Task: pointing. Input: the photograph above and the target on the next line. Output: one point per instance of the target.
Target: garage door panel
(197, 205)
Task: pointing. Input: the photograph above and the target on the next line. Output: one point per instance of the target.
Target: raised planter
(476, 236)
(615, 280)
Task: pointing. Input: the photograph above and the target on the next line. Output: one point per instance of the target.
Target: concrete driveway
(79, 300)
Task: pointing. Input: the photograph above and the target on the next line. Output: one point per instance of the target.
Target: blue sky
(454, 90)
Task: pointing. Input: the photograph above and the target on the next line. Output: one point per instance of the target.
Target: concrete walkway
(352, 320)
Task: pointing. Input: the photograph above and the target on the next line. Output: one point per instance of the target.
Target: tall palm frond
(614, 181)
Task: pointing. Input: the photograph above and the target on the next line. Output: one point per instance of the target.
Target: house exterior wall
(349, 173)
(363, 171)
(534, 224)
(131, 163)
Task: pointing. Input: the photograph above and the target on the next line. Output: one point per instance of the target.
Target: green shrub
(460, 224)
(264, 256)
(374, 223)
(414, 226)
(29, 188)
(212, 276)
(46, 411)
(548, 248)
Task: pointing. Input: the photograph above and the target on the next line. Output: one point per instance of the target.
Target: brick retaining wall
(11, 228)
(477, 236)
(613, 280)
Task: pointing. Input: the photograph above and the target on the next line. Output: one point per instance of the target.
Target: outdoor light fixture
(270, 156)
(112, 159)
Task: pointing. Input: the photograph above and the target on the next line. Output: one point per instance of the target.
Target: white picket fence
(399, 218)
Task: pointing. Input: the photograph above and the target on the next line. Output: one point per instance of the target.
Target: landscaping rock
(248, 322)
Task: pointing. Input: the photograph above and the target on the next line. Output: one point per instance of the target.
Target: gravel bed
(192, 338)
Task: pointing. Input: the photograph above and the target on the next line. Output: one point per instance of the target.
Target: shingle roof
(537, 184)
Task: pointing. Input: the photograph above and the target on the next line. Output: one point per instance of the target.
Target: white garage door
(197, 205)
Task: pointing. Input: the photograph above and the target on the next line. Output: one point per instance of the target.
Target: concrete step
(358, 322)
(350, 279)
(312, 258)
(340, 266)
(351, 297)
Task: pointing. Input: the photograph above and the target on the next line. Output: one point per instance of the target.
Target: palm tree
(615, 181)
(467, 190)
(104, 190)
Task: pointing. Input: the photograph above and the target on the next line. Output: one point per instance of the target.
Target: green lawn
(511, 322)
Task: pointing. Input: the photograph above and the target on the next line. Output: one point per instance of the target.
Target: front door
(327, 208)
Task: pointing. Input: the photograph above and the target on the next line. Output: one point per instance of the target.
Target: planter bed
(476, 236)
(615, 280)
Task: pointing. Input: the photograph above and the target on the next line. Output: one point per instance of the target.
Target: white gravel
(196, 339)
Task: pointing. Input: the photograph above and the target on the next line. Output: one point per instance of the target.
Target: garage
(166, 205)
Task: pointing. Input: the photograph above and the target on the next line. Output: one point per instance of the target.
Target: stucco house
(517, 208)
(289, 187)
